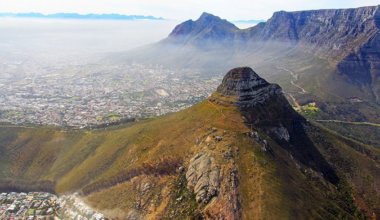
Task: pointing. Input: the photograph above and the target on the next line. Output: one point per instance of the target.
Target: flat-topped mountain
(243, 153)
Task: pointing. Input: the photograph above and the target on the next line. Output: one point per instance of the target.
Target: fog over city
(53, 72)
(65, 38)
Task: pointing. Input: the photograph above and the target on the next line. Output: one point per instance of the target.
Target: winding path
(294, 79)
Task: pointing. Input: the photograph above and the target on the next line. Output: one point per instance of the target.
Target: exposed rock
(234, 178)
(145, 187)
(248, 87)
(181, 169)
(208, 139)
(133, 215)
(218, 138)
(264, 146)
(228, 155)
(203, 177)
(281, 133)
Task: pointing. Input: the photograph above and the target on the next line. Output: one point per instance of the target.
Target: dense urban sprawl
(83, 95)
(43, 205)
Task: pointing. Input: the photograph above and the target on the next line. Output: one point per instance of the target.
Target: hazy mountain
(80, 16)
(208, 29)
(326, 56)
(244, 153)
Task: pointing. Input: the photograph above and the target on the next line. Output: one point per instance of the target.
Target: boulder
(203, 177)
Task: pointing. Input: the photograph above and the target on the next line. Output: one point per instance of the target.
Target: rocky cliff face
(336, 31)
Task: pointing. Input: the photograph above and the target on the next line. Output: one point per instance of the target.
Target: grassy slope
(271, 187)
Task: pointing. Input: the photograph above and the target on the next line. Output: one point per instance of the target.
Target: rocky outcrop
(281, 133)
(203, 177)
(260, 102)
(248, 87)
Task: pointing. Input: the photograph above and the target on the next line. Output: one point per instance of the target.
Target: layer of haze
(49, 40)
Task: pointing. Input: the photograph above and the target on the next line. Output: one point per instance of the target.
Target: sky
(179, 9)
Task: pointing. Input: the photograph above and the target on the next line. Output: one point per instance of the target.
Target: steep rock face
(362, 67)
(336, 32)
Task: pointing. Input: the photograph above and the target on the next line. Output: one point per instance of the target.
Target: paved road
(350, 122)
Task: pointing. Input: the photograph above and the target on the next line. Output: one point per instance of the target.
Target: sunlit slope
(55, 154)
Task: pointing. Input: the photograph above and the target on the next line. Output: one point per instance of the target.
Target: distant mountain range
(81, 16)
(330, 56)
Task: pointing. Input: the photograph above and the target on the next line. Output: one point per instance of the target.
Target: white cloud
(179, 9)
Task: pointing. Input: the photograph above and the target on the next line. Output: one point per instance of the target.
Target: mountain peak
(207, 27)
(260, 102)
(208, 16)
(248, 87)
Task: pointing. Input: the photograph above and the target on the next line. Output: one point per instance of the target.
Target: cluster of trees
(114, 123)
(27, 186)
(165, 166)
